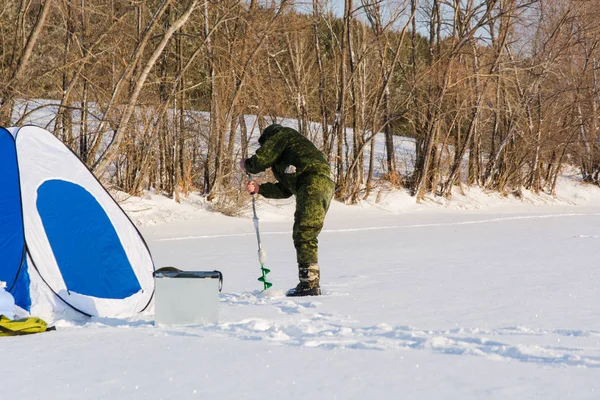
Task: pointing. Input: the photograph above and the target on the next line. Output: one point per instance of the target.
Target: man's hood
(268, 133)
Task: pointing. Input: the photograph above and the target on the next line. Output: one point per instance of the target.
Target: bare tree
(107, 157)
(22, 56)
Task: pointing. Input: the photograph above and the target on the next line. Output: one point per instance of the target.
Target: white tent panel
(81, 242)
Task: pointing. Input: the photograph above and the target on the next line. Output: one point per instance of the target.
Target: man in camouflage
(301, 170)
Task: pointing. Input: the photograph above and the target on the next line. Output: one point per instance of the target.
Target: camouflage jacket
(292, 158)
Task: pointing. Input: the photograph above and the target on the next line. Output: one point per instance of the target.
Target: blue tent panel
(86, 246)
(20, 290)
(12, 240)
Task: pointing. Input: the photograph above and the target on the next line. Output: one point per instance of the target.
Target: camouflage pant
(313, 197)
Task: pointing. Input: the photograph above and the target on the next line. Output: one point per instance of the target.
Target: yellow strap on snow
(23, 326)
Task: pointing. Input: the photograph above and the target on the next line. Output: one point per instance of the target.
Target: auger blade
(263, 278)
(266, 283)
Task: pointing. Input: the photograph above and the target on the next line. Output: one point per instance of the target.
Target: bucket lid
(172, 272)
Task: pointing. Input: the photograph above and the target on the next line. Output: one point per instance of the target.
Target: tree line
(155, 94)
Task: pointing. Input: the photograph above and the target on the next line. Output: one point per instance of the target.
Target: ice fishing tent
(64, 241)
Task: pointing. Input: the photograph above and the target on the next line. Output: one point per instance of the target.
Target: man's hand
(252, 187)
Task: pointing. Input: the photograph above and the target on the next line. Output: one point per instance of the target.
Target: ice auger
(262, 255)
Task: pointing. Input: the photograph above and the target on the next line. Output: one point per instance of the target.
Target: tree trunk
(7, 93)
(112, 149)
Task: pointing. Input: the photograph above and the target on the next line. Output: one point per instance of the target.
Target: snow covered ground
(480, 297)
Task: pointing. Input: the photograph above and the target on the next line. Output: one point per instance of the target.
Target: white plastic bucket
(186, 297)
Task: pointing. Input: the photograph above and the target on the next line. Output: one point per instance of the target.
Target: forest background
(500, 94)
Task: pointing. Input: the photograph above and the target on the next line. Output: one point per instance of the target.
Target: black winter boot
(309, 275)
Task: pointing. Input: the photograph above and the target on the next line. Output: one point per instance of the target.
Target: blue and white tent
(64, 241)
